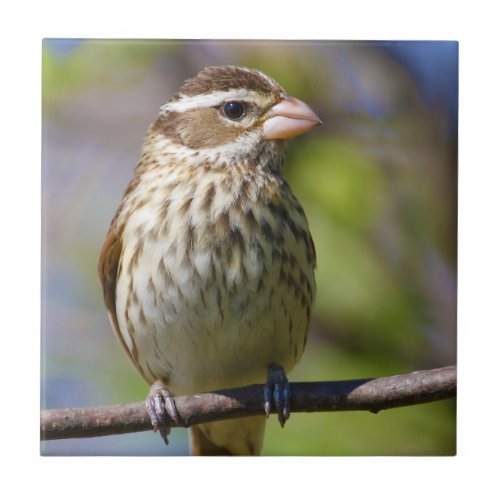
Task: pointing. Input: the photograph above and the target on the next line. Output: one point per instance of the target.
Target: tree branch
(351, 395)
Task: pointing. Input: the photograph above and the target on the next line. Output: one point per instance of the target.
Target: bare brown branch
(351, 395)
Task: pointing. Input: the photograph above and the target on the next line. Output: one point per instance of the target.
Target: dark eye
(234, 110)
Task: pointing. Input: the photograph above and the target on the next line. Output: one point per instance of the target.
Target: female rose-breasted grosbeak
(208, 266)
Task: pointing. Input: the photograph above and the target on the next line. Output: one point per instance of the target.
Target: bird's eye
(234, 110)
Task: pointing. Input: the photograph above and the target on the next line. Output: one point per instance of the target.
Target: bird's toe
(160, 405)
(277, 393)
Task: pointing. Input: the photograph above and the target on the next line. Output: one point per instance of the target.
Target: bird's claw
(277, 391)
(160, 403)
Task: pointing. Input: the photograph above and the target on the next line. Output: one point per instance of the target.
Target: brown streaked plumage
(215, 78)
(208, 266)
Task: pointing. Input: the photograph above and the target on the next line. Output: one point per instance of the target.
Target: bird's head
(228, 115)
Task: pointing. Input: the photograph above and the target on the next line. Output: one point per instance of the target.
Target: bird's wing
(109, 261)
(109, 269)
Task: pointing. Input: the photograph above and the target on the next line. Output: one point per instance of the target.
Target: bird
(208, 266)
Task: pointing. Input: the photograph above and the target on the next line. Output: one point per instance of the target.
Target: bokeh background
(378, 182)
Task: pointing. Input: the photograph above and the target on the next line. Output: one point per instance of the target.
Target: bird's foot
(277, 391)
(160, 403)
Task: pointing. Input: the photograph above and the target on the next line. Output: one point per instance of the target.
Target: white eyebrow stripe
(186, 102)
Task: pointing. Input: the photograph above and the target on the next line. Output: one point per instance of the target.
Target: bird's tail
(241, 436)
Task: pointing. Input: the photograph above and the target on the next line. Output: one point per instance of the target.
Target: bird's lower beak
(289, 118)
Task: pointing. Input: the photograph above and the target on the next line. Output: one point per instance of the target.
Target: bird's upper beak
(289, 118)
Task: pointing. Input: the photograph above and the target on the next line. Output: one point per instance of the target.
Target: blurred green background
(378, 182)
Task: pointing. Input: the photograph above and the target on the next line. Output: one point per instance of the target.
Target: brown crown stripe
(223, 78)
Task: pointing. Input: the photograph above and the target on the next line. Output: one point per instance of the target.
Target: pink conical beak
(289, 118)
